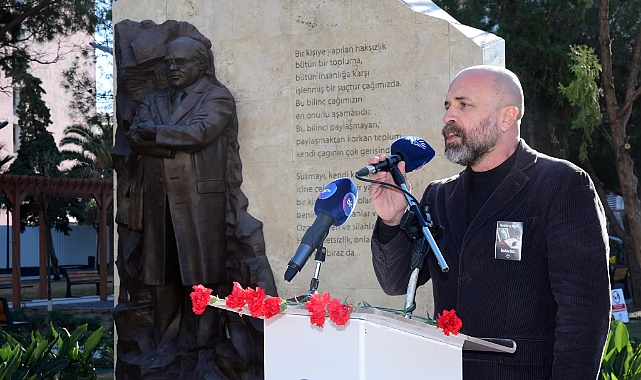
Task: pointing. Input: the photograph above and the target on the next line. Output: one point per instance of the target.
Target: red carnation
(271, 306)
(316, 307)
(317, 318)
(338, 312)
(200, 298)
(317, 303)
(255, 300)
(449, 322)
(236, 300)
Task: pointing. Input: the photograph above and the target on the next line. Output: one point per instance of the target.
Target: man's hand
(145, 130)
(390, 204)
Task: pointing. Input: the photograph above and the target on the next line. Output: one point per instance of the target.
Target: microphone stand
(320, 259)
(424, 226)
(313, 284)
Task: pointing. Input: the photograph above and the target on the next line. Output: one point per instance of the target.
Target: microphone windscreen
(415, 151)
(338, 199)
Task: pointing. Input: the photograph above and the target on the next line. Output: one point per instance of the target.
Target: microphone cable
(388, 185)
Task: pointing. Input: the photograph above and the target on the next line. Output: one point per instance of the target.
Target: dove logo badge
(349, 201)
(328, 191)
(417, 141)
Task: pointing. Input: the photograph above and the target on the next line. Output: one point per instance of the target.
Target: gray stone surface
(320, 86)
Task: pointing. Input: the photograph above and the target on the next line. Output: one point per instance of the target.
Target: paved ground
(89, 302)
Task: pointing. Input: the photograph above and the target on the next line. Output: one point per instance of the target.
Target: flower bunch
(200, 298)
(449, 322)
(257, 302)
(320, 306)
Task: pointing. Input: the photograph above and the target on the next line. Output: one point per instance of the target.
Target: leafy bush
(42, 320)
(61, 358)
(61, 319)
(620, 360)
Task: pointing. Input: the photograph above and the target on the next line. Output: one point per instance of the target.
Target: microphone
(415, 151)
(333, 206)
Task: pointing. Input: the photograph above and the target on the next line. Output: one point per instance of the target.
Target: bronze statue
(184, 174)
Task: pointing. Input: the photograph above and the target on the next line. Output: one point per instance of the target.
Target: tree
(547, 28)
(532, 30)
(619, 117)
(23, 22)
(5, 159)
(87, 144)
(38, 155)
(617, 129)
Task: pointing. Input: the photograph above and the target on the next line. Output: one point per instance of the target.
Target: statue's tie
(176, 98)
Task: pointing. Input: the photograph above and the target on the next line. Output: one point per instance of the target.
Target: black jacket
(554, 302)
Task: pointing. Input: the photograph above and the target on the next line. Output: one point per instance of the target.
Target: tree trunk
(110, 223)
(55, 269)
(634, 269)
(51, 250)
(628, 243)
(623, 160)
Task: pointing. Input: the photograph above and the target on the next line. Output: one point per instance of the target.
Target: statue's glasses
(178, 63)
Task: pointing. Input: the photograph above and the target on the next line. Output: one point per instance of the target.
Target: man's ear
(202, 65)
(508, 117)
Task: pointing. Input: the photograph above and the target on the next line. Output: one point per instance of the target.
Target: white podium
(374, 345)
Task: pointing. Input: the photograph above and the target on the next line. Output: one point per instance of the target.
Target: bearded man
(552, 298)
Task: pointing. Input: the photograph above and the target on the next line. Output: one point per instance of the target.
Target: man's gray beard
(470, 152)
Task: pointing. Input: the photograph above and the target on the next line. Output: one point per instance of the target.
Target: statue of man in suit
(183, 133)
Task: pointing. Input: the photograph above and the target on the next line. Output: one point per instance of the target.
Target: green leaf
(92, 341)
(609, 355)
(32, 346)
(12, 363)
(54, 368)
(619, 366)
(621, 336)
(71, 342)
(583, 94)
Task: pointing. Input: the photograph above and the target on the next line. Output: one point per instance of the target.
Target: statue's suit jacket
(184, 172)
(554, 302)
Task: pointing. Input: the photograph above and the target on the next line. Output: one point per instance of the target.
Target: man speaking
(524, 236)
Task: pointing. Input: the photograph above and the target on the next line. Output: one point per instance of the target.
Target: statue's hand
(145, 130)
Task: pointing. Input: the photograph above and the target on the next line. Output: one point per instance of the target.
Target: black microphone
(415, 151)
(333, 206)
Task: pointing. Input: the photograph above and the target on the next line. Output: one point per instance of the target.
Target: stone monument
(182, 219)
(319, 88)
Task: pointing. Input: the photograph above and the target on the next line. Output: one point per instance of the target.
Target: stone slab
(320, 87)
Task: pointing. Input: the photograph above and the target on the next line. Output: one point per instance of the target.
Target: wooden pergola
(18, 187)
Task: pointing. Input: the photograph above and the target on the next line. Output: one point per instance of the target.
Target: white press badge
(509, 238)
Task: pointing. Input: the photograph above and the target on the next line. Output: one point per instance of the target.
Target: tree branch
(632, 99)
(607, 77)
(609, 214)
(606, 135)
(16, 21)
(630, 94)
(106, 49)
